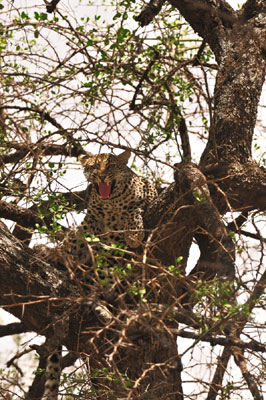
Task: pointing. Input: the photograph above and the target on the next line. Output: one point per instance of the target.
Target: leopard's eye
(111, 164)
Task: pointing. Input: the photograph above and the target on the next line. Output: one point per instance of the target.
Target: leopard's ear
(83, 157)
(124, 157)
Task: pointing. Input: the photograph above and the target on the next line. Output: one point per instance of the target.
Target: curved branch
(208, 20)
(181, 211)
(239, 186)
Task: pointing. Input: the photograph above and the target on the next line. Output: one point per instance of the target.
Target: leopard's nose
(102, 177)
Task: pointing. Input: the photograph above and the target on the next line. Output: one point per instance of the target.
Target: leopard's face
(108, 173)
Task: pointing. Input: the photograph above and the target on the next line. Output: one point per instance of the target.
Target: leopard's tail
(53, 372)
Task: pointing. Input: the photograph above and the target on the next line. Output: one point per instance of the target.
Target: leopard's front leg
(134, 228)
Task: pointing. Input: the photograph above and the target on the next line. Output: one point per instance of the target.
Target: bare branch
(42, 149)
(217, 380)
(144, 76)
(242, 364)
(12, 329)
(223, 341)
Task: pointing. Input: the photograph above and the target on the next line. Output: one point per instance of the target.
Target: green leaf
(24, 15)
(232, 235)
(199, 197)
(43, 17)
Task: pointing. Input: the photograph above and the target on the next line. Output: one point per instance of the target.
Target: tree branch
(42, 148)
(217, 380)
(47, 117)
(222, 341)
(132, 105)
(149, 12)
(50, 7)
(13, 329)
(41, 296)
(243, 186)
(217, 248)
(215, 18)
(28, 217)
(251, 8)
(242, 365)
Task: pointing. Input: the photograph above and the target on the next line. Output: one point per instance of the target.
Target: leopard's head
(106, 171)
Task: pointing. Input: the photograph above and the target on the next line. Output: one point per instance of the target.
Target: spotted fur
(117, 201)
(53, 371)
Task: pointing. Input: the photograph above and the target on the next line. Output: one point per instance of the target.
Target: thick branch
(217, 248)
(239, 186)
(208, 20)
(50, 7)
(237, 92)
(27, 284)
(149, 12)
(42, 149)
(252, 8)
(28, 218)
(13, 329)
(42, 296)
(184, 209)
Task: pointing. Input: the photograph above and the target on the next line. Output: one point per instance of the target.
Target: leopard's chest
(110, 214)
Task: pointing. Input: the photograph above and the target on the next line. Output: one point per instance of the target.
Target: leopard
(118, 198)
(117, 201)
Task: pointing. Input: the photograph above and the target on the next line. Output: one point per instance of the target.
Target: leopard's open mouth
(105, 189)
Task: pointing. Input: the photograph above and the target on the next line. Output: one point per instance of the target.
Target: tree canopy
(179, 83)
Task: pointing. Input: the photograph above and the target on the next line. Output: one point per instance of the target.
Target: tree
(147, 79)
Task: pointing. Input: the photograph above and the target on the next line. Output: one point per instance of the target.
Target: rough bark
(238, 40)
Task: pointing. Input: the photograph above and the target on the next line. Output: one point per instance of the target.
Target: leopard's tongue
(104, 190)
